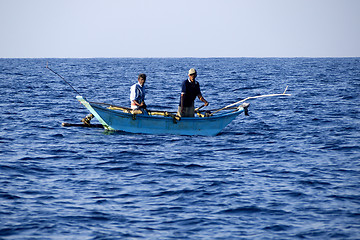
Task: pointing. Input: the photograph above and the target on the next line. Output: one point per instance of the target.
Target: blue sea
(290, 170)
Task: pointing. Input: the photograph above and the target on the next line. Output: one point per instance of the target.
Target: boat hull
(141, 123)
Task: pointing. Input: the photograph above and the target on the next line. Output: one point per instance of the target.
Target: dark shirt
(190, 91)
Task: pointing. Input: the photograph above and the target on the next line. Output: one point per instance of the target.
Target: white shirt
(137, 93)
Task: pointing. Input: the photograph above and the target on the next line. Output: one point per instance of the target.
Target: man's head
(142, 79)
(192, 74)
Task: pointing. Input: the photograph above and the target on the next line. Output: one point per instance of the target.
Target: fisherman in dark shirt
(190, 89)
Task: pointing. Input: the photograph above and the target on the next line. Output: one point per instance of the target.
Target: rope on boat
(86, 120)
(260, 96)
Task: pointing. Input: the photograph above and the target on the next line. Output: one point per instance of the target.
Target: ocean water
(290, 170)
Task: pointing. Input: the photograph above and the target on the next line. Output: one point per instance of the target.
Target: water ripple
(289, 170)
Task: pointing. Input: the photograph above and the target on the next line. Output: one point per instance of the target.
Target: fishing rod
(62, 79)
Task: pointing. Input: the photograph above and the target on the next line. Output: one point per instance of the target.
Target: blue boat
(160, 122)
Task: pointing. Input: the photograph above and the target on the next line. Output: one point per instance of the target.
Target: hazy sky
(184, 28)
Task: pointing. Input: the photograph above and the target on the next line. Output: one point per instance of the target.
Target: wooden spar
(82, 125)
(260, 96)
(197, 109)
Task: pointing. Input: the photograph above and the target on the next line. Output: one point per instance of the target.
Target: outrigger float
(206, 123)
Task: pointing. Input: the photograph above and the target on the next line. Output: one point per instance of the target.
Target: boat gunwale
(130, 115)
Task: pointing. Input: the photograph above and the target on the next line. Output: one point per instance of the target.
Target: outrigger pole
(62, 79)
(260, 96)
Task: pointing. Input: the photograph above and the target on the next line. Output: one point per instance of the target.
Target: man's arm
(182, 102)
(203, 99)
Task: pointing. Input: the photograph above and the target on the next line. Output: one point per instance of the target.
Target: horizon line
(181, 57)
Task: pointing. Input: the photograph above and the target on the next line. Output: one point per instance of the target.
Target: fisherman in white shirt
(137, 93)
